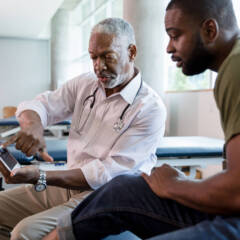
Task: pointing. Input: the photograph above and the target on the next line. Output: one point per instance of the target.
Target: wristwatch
(42, 182)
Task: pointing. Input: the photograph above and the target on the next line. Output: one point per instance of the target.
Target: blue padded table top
(169, 147)
(56, 148)
(190, 147)
(12, 121)
(64, 122)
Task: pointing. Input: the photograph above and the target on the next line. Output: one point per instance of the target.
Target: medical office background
(44, 43)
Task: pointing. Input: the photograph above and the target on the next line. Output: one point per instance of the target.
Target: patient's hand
(52, 236)
(4, 170)
(28, 174)
(30, 139)
(162, 178)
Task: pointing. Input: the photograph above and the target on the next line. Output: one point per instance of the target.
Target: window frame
(83, 58)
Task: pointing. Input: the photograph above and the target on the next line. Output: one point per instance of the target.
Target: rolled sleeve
(35, 106)
(64, 228)
(95, 174)
(53, 106)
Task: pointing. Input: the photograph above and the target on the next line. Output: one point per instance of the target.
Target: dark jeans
(218, 229)
(127, 203)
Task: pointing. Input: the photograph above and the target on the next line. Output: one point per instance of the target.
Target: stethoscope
(119, 124)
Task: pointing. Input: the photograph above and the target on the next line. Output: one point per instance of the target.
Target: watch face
(40, 187)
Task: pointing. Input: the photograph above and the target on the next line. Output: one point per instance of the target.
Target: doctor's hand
(28, 174)
(30, 139)
(162, 179)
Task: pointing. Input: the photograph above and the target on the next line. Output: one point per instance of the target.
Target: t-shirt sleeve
(228, 97)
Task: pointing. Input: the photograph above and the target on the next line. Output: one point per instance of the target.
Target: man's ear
(132, 52)
(210, 30)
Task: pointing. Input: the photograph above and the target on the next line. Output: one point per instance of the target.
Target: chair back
(9, 111)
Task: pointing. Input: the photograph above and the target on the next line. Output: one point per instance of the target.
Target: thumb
(13, 172)
(45, 156)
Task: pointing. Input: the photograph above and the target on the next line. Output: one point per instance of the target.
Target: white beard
(116, 81)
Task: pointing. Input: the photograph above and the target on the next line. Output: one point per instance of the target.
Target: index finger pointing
(45, 156)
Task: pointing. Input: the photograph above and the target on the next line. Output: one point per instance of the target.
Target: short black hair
(221, 10)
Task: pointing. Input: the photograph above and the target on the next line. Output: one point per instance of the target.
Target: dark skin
(166, 181)
(113, 59)
(30, 141)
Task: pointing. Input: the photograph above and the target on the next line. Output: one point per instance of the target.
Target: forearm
(219, 194)
(73, 179)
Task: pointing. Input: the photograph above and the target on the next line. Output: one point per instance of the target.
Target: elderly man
(117, 121)
(203, 35)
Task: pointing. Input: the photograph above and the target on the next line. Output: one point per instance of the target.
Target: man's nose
(170, 47)
(100, 64)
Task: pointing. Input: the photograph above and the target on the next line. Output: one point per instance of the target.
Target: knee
(119, 188)
(124, 183)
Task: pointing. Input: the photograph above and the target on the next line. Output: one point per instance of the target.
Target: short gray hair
(116, 26)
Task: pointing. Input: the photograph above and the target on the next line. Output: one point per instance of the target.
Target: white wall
(24, 71)
(192, 114)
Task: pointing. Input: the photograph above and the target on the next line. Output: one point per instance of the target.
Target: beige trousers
(31, 215)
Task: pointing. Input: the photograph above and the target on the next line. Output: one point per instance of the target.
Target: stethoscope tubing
(94, 98)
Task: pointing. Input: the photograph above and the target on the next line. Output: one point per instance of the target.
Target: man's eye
(110, 58)
(174, 38)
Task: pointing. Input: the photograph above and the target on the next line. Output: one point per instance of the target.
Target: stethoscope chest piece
(118, 126)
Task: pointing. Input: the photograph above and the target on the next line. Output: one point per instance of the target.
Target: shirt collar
(130, 91)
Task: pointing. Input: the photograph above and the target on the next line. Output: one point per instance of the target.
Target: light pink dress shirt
(93, 144)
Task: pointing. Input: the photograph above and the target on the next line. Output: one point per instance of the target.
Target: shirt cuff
(35, 106)
(64, 228)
